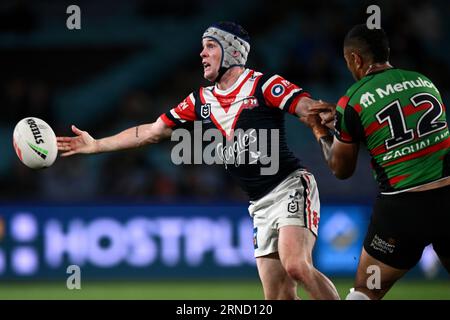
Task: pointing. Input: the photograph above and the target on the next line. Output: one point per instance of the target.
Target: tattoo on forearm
(326, 143)
(137, 131)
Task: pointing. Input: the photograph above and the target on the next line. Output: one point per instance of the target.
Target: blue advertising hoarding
(342, 231)
(158, 241)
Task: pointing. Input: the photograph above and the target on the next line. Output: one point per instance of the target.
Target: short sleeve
(280, 93)
(347, 122)
(181, 114)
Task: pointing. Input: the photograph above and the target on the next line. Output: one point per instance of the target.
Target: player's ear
(357, 60)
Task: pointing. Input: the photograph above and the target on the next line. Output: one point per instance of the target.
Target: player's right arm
(133, 137)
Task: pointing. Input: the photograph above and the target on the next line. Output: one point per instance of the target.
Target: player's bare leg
(295, 246)
(276, 282)
(388, 276)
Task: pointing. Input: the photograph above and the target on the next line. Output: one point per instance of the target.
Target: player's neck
(229, 78)
(376, 67)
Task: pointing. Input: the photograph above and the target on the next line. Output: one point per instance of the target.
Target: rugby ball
(35, 143)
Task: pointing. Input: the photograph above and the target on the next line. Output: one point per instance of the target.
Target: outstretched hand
(81, 143)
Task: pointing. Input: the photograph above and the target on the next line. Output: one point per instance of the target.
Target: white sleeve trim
(191, 96)
(176, 116)
(269, 82)
(286, 98)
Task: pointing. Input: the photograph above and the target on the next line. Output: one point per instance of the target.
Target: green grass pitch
(197, 290)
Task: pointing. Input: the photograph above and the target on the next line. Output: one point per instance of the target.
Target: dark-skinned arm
(341, 157)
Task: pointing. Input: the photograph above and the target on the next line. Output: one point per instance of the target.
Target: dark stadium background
(130, 62)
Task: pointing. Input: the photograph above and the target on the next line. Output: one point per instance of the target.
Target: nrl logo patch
(293, 206)
(206, 110)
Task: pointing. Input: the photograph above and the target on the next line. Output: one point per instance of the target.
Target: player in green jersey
(400, 117)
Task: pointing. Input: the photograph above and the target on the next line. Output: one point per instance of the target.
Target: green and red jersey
(399, 115)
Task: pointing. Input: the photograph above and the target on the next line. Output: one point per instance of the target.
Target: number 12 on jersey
(427, 124)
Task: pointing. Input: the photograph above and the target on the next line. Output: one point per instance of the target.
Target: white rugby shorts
(294, 202)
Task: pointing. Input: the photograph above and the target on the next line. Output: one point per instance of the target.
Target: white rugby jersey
(256, 103)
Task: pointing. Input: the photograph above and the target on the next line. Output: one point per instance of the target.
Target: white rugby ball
(35, 143)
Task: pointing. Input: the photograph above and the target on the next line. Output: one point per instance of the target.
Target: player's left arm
(280, 93)
(307, 106)
(319, 115)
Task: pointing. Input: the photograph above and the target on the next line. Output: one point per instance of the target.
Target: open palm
(81, 143)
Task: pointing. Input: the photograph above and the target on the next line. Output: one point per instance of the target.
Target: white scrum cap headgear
(234, 41)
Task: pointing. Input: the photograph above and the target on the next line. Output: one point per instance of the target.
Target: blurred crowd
(311, 58)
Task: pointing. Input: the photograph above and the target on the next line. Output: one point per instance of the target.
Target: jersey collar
(379, 71)
(234, 86)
